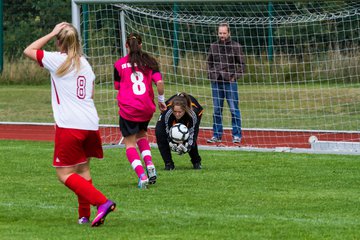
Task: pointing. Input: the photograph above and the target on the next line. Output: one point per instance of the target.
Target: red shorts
(74, 146)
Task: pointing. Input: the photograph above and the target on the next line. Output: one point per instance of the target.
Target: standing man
(225, 65)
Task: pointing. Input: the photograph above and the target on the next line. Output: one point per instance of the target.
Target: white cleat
(143, 184)
(151, 173)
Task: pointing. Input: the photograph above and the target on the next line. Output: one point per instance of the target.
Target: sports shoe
(143, 184)
(213, 140)
(236, 139)
(83, 220)
(102, 212)
(169, 166)
(197, 166)
(151, 173)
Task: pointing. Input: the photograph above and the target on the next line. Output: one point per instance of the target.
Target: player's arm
(210, 59)
(197, 108)
(167, 120)
(116, 79)
(240, 60)
(31, 50)
(161, 98)
(157, 79)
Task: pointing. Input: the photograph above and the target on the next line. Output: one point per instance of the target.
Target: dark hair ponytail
(183, 100)
(138, 57)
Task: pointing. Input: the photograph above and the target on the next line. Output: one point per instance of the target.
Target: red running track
(251, 138)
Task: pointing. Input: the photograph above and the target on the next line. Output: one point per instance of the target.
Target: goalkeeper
(185, 109)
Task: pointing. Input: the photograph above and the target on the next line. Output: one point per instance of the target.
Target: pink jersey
(136, 95)
(71, 94)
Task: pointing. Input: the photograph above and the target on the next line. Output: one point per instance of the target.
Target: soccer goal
(301, 86)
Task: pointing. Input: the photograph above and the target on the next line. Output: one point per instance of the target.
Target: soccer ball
(313, 139)
(179, 133)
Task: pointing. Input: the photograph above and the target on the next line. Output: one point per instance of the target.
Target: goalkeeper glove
(173, 146)
(183, 148)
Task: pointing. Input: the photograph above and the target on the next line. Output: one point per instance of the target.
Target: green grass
(312, 107)
(25, 104)
(237, 195)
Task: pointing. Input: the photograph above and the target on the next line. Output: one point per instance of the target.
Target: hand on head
(59, 27)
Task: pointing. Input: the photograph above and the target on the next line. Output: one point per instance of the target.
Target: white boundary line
(253, 149)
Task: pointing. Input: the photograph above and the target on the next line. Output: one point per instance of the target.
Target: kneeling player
(185, 109)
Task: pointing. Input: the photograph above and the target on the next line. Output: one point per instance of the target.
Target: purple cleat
(103, 211)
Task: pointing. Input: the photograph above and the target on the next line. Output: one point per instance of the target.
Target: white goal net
(302, 65)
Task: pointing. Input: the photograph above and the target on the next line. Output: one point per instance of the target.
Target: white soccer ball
(313, 139)
(179, 133)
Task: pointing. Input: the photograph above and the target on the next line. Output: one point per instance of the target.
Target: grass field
(268, 106)
(237, 195)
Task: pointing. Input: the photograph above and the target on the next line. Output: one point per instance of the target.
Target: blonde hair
(69, 42)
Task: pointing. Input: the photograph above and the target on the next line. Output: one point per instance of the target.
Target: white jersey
(71, 94)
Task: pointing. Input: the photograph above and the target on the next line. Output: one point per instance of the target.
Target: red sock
(85, 190)
(134, 160)
(145, 151)
(84, 206)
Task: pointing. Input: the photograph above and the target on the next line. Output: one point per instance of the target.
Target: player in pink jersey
(77, 137)
(134, 75)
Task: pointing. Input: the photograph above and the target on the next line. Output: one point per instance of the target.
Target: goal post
(301, 87)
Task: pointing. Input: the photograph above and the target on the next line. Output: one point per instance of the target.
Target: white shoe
(213, 140)
(143, 184)
(151, 173)
(236, 139)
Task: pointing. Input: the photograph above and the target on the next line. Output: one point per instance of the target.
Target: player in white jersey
(77, 137)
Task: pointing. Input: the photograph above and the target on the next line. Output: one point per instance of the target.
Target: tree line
(25, 20)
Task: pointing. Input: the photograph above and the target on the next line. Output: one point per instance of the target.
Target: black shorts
(128, 127)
